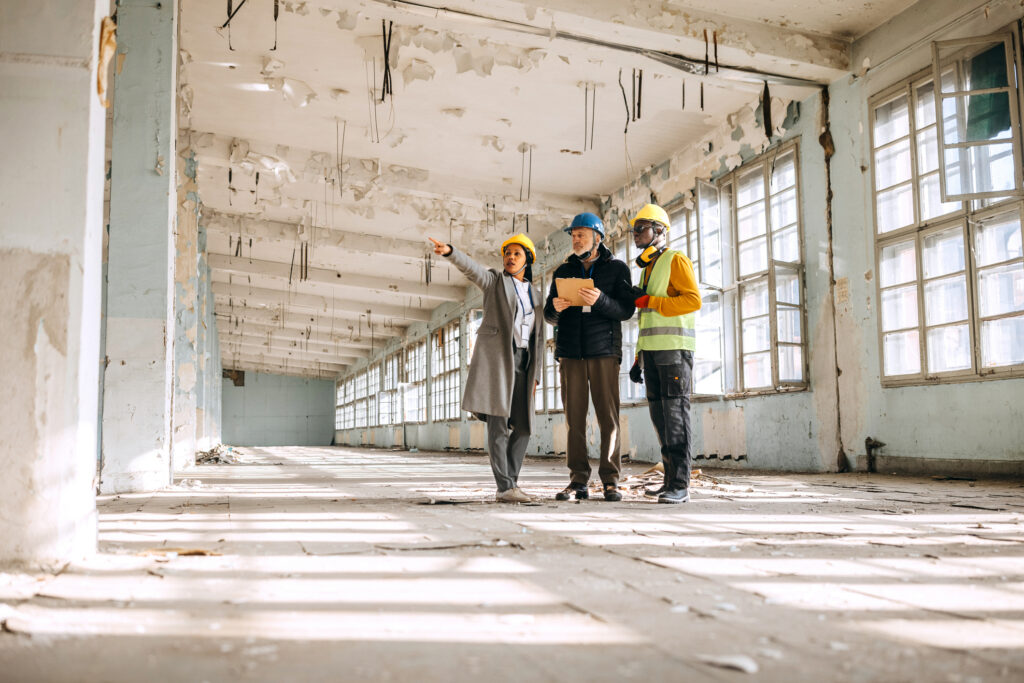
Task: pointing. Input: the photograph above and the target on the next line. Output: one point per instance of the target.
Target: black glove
(636, 373)
(636, 292)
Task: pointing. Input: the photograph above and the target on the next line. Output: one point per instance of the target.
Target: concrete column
(186, 428)
(138, 384)
(51, 216)
(208, 389)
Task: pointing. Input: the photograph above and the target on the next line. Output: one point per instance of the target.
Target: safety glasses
(643, 224)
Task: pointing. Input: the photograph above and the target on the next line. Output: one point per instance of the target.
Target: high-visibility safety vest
(659, 332)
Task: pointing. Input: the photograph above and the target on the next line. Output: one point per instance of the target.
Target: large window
(344, 417)
(761, 202)
(629, 391)
(445, 373)
(980, 137)
(390, 413)
(372, 394)
(551, 381)
(415, 394)
(950, 274)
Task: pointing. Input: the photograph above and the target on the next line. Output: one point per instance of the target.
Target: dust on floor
(372, 565)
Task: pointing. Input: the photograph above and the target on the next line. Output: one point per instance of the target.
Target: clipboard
(569, 288)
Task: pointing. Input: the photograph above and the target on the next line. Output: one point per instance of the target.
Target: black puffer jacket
(598, 333)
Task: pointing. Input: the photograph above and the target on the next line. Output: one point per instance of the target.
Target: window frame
(551, 393)
(971, 213)
(734, 283)
(445, 372)
(420, 386)
(1012, 90)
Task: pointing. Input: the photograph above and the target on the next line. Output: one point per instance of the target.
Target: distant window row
(745, 240)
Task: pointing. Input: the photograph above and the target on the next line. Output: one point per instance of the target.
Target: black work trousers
(667, 375)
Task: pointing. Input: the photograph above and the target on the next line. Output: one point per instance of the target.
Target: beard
(583, 251)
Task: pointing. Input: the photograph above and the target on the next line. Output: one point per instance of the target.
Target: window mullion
(773, 331)
(915, 183)
(922, 331)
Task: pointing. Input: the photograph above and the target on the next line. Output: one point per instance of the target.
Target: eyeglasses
(642, 225)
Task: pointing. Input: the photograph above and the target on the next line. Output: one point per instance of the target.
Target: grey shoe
(516, 495)
(522, 496)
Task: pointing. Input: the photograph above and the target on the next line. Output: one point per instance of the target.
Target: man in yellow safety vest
(666, 299)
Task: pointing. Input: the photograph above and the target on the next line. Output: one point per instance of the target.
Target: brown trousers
(584, 380)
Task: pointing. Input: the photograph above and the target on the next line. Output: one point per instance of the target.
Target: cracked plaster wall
(50, 270)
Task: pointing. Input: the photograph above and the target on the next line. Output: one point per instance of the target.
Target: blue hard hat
(587, 220)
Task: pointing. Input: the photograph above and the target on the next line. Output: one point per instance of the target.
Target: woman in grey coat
(506, 363)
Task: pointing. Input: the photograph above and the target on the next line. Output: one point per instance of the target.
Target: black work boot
(674, 495)
(611, 493)
(580, 491)
(654, 493)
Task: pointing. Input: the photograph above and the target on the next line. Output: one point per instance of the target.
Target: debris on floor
(218, 455)
(733, 662)
(178, 552)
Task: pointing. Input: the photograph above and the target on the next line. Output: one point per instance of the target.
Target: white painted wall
(51, 209)
(278, 410)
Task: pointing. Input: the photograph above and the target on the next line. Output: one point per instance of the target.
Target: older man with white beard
(588, 346)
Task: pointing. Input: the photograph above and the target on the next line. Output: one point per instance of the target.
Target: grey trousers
(597, 380)
(507, 450)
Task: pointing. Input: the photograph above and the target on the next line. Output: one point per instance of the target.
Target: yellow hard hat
(522, 240)
(652, 212)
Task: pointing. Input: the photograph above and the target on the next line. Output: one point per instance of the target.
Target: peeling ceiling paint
(485, 125)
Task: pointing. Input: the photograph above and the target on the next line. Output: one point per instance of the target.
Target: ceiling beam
(250, 364)
(287, 272)
(341, 322)
(273, 298)
(303, 173)
(270, 231)
(242, 344)
(284, 334)
(273, 344)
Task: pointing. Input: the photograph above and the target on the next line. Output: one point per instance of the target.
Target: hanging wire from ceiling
(743, 74)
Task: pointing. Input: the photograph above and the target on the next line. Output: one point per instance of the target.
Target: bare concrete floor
(330, 566)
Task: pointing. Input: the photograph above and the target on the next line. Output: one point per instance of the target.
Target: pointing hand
(440, 248)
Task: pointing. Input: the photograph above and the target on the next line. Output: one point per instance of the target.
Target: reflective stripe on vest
(662, 333)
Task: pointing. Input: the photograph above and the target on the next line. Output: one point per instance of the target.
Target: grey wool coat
(491, 377)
